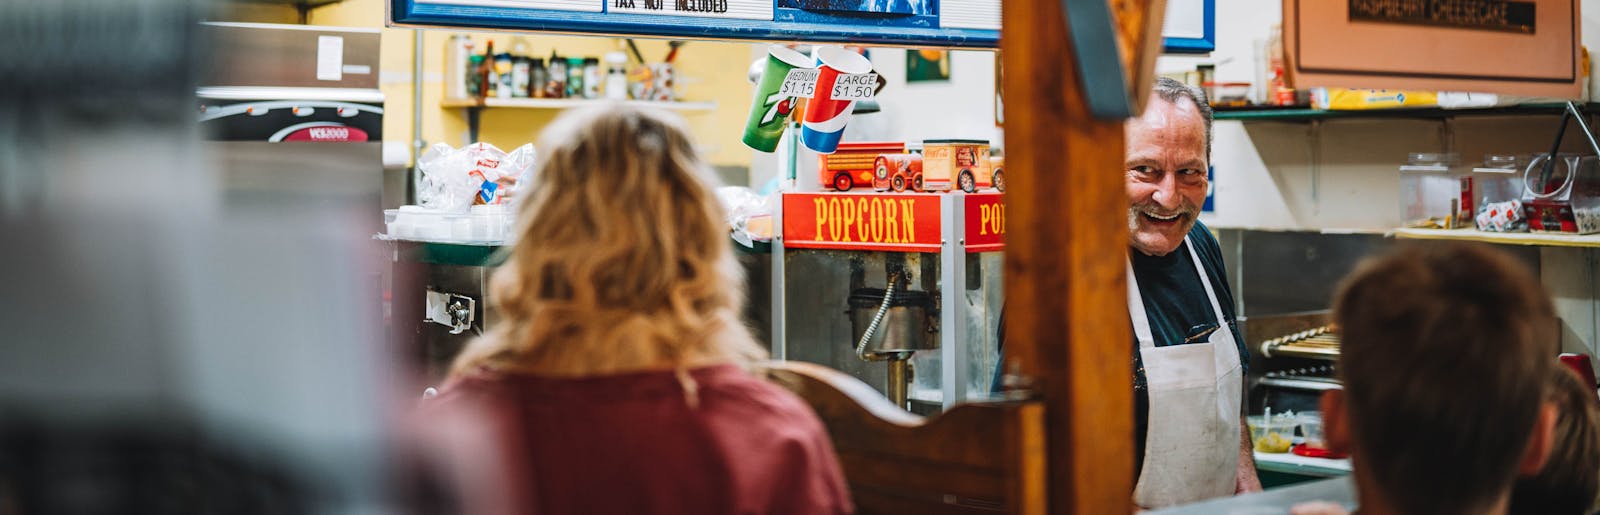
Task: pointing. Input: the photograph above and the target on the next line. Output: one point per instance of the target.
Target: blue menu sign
(910, 23)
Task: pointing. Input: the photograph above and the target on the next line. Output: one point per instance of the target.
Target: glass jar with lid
(1497, 193)
(1430, 191)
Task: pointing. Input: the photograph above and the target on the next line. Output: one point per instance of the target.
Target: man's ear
(1335, 422)
(1540, 442)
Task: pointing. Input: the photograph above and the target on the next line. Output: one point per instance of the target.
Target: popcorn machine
(902, 291)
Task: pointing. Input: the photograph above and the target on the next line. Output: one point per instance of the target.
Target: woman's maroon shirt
(632, 443)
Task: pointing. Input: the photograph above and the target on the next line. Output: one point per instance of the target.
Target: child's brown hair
(1570, 481)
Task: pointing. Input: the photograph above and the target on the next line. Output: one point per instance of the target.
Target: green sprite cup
(769, 111)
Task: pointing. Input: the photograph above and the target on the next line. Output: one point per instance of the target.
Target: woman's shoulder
(751, 387)
(472, 389)
(744, 393)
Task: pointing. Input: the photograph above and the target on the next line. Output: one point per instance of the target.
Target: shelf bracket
(1447, 135)
(1315, 151)
(474, 114)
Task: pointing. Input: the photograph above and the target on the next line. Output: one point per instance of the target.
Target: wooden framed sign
(1510, 47)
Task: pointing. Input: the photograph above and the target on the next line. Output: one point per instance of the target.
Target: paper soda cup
(825, 117)
(769, 110)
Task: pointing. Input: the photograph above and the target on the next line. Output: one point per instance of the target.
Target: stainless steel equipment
(891, 324)
(1292, 361)
(1314, 343)
(297, 117)
(903, 326)
(826, 291)
(293, 117)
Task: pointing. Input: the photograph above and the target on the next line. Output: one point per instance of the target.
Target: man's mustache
(1186, 208)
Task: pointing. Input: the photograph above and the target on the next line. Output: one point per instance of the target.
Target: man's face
(1166, 167)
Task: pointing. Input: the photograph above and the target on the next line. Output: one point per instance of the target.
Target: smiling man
(1189, 358)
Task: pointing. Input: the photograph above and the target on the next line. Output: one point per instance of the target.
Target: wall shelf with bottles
(1303, 114)
(1503, 238)
(566, 103)
(474, 107)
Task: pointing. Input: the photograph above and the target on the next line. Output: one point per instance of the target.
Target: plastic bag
(453, 180)
(749, 216)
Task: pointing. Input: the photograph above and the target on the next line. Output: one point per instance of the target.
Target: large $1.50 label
(848, 221)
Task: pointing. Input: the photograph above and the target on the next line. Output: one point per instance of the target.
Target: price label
(800, 82)
(855, 86)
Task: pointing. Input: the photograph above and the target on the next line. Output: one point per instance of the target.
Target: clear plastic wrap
(749, 214)
(466, 195)
(453, 180)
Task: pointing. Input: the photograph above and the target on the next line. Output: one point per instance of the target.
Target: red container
(1580, 363)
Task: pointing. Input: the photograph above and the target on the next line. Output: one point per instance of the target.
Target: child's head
(1570, 480)
(1445, 357)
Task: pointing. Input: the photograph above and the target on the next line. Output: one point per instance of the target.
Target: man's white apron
(1191, 447)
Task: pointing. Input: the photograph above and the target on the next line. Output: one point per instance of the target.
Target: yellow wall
(706, 71)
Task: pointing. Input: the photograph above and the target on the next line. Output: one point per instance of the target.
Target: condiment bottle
(556, 86)
(591, 77)
(520, 72)
(537, 77)
(574, 77)
(503, 70)
(491, 81)
(475, 76)
(616, 76)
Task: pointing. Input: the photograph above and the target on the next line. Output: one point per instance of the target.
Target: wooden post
(1066, 298)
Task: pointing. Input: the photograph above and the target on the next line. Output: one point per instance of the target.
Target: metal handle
(450, 310)
(460, 318)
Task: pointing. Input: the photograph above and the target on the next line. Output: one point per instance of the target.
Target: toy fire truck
(851, 165)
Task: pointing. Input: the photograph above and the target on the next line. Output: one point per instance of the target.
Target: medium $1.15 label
(802, 83)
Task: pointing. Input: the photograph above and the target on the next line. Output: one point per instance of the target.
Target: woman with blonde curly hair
(618, 379)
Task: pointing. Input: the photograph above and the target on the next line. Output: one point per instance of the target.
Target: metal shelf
(1297, 114)
(475, 106)
(566, 103)
(1504, 238)
(1302, 465)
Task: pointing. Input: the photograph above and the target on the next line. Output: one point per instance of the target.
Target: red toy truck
(852, 164)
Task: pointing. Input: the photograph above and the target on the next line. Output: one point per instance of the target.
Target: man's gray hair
(1172, 90)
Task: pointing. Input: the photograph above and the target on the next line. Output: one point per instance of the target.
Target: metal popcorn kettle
(890, 325)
